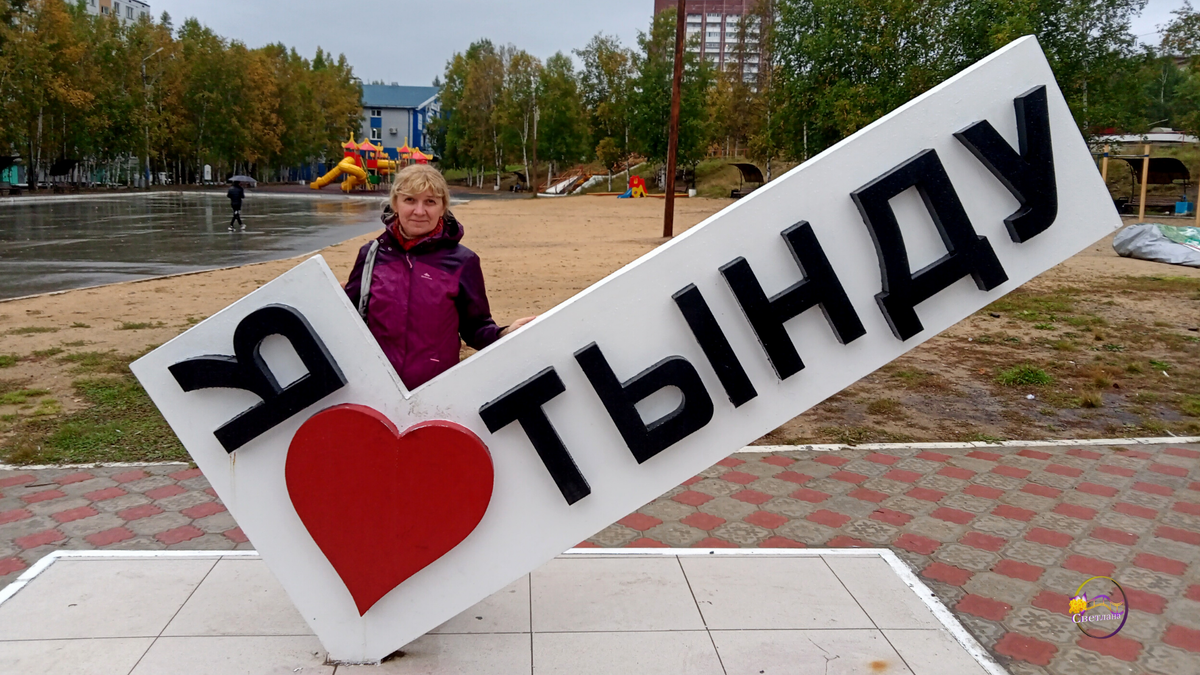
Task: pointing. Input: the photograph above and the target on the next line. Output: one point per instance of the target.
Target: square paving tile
(807, 652)
(73, 657)
(505, 611)
(238, 597)
(101, 598)
(776, 592)
(611, 594)
(225, 655)
(479, 654)
(881, 593)
(933, 652)
(661, 653)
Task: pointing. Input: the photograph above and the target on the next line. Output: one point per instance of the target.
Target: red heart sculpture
(383, 505)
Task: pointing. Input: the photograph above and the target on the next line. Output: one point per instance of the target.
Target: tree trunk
(533, 179)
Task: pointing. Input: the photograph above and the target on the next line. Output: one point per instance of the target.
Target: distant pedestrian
(236, 194)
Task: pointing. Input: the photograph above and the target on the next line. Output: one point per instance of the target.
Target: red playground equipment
(637, 188)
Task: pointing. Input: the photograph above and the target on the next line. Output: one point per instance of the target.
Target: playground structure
(637, 188)
(364, 165)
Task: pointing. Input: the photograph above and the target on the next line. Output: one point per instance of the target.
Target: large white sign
(385, 512)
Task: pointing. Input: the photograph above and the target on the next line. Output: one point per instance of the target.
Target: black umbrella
(243, 179)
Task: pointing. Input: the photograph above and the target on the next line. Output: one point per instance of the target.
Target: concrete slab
(671, 611)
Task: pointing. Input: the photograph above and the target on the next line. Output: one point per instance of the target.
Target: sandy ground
(536, 253)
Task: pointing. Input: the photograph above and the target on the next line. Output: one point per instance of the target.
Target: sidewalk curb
(832, 447)
(757, 449)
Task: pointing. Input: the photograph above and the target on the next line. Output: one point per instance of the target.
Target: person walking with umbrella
(236, 194)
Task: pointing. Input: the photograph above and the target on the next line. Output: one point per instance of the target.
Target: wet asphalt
(59, 245)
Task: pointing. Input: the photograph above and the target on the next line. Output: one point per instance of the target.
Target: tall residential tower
(125, 10)
(718, 21)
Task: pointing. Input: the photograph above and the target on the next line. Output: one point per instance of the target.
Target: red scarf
(409, 244)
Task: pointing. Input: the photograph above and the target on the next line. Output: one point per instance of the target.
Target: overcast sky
(409, 42)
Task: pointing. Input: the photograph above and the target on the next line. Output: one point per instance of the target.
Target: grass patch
(140, 325)
(884, 406)
(1091, 399)
(21, 396)
(1043, 326)
(1159, 365)
(1024, 375)
(1064, 346)
(97, 362)
(47, 407)
(47, 353)
(122, 425)
(914, 378)
(978, 437)
(855, 435)
(1038, 307)
(1114, 348)
(80, 324)
(1133, 367)
(75, 343)
(1162, 284)
(30, 330)
(1190, 405)
(8, 360)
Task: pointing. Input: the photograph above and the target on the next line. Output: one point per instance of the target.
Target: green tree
(610, 155)
(651, 100)
(605, 85)
(1181, 37)
(520, 106)
(562, 128)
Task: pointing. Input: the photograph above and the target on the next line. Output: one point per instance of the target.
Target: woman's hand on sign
(516, 324)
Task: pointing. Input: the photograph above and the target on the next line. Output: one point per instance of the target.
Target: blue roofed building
(394, 115)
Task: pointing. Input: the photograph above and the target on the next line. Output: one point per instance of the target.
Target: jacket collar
(451, 234)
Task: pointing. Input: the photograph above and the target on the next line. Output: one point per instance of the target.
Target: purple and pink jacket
(423, 299)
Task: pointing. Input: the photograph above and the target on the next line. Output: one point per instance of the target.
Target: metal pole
(1196, 207)
(1145, 178)
(673, 139)
(1104, 165)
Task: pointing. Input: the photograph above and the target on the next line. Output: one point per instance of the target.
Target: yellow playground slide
(347, 166)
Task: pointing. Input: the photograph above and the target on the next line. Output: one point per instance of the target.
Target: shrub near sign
(385, 512)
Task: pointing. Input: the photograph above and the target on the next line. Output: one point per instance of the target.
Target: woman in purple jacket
(419, 289)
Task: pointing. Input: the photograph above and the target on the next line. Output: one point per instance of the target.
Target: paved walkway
(1003, 535)
(687, 611)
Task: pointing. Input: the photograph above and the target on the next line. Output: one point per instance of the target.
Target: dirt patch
(1111, 334)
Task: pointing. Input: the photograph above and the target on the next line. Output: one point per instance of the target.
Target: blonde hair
(414, 179)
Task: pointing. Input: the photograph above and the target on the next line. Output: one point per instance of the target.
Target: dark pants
(237, 215)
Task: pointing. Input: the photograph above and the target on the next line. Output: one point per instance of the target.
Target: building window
(376, 133)
(714, 18)
(128, 12)
(376, 112)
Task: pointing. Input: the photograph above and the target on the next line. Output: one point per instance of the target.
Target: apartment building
(126, 10)
(718, 23)
(394, 114)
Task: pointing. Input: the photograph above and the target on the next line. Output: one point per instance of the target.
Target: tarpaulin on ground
(1174, 244)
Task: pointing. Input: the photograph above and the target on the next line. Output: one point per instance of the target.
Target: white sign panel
(385, 512)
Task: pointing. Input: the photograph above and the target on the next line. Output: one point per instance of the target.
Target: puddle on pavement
(55, 246)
